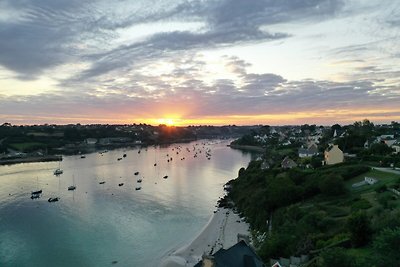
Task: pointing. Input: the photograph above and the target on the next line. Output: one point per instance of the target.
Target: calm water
(98, 224)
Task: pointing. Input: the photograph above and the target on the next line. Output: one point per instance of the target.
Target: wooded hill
(319, 213)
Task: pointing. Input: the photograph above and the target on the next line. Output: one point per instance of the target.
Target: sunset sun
(168, 121)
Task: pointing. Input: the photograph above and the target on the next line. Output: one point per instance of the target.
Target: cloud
(46, 33)
(146, 95)
(163, 68)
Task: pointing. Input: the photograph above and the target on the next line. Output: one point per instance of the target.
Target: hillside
(319, 213)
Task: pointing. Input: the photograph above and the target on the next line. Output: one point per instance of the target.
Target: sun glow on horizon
(168, 121)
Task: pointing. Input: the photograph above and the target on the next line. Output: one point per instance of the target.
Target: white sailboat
(73, 186)
(58, 171)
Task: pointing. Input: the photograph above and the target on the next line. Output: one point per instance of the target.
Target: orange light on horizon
(324, 117)
(167, 121)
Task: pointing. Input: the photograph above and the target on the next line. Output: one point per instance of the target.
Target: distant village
(311, 146)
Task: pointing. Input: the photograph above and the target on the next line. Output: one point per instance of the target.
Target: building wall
(334, 156)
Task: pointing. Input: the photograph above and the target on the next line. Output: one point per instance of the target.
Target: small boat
(138, 188)
(121, 184)
(58, 171)
(103, 182)
(139, 180)
(165, 177)
(71, 188)
(136, 173)
(37, 192)
(35, 196)
(53, 199)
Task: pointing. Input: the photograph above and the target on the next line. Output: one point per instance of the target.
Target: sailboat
(72, 187)
(55, 199)
(37, 193)
(58, 171)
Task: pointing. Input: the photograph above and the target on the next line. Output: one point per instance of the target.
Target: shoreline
(248, 148)
(30, 160)
(220, 232)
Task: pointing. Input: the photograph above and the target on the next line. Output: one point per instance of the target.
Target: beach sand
(220, 232)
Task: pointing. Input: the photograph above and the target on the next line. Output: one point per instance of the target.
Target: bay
(107, 224)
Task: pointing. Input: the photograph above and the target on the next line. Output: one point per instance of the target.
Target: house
(333, 155)
(288, 163)
(389, 142)
(310, 151)
(385, 137)
(239, 255)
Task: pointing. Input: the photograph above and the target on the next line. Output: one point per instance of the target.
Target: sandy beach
(220, 232)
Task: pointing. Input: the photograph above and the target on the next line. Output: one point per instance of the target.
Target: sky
(186, 62)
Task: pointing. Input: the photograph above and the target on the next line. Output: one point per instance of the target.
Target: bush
(332, 185)
(387, 247)
(381, 188)
(335, 257)
(360, 230)
(361, 204)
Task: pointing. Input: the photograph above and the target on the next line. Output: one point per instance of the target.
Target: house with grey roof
(288, 163)
(308, 152)
(239, 255)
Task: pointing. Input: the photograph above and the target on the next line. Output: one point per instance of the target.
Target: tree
(380, 149)
(335, 257)
(360, 230)
(332, 185)
(387, 247)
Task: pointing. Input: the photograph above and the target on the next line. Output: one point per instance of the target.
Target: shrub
(332, 185)
(361, 204)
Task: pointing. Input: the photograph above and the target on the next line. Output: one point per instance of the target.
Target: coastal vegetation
(319, 213)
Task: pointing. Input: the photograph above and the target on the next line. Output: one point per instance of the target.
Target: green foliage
(361, 204)
(386, 219)
(246, 140)
(387, 247)
(381, 188)
(316, 161)
(336, 239)
(385, 198)
(360, 230)
(336, 257)
(277, 245)
(241, 171)
(332, 185)
(380, 149)
(302, 207)
(28, 147)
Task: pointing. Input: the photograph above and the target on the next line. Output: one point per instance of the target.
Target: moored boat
(53, 199)
(36, 192)
(58, 171)
(71, 187)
